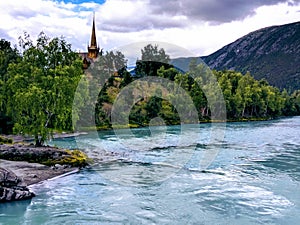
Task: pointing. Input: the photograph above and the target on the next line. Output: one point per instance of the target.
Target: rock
(58, 166)
(12, 194)
(45, 155)
(12, 188)
(8, 178)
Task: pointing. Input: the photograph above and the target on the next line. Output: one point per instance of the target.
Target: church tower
(93, 49)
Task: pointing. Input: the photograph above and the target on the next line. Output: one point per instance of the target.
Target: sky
(199, 26)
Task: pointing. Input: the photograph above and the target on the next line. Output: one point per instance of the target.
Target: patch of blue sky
(83, 1)
(83, 5)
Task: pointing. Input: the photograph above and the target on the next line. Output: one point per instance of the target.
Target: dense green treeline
(245, 97)
(38, 85)
(248, 98)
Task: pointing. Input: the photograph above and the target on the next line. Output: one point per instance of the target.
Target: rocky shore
(12, 186)
(22, 165)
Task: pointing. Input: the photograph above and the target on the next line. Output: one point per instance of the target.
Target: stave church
(93, 49)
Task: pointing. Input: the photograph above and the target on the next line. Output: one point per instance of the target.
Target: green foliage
(115, 62)
(153, 107)
(169, 73)
(7, 55)
(41, 87)
(152, 59)
(127, 79)
(248, 98)
(245, 98)
(103, 79)
(152, 53)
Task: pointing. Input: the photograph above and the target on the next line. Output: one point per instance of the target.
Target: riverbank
(33, 173)
(132, 126)
(17, 176)
(28, 139)
(23, 164)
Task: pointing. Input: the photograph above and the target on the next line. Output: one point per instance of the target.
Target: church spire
(93, 49)
(93, 37)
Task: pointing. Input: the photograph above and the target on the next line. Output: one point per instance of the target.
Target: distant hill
(272, 53)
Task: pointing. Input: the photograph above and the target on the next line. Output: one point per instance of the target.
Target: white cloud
(55, 19)
(124, 22)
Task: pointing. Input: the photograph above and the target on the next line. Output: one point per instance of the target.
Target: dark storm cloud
(162, 14)
(216, 11)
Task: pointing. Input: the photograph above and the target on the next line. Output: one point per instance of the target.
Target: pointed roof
(93, 49)
(93, 37)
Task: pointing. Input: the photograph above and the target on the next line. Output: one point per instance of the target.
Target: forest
(39, 81)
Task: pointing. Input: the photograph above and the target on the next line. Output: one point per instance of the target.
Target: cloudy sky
(200, 26)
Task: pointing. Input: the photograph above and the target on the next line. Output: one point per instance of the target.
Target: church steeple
(93, 49)
(93, 36)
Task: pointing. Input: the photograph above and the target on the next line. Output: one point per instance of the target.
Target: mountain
(272, 53)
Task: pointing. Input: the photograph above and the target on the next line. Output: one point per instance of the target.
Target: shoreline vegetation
(132, 126)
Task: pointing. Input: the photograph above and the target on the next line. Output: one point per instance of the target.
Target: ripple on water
(254, 179)
(229, 194)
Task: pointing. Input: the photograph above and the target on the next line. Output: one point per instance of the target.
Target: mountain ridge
(272, 53)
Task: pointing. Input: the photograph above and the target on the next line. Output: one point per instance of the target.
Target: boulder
(12, 188)
(8, 178)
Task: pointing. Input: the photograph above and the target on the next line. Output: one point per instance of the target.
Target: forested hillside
(272, 53)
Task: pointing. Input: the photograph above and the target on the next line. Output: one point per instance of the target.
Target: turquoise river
(156, 175)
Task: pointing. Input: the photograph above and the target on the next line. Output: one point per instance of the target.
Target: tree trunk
(243, 112)
(38, 141)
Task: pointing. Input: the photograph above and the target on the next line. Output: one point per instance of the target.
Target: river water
(152, 178)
